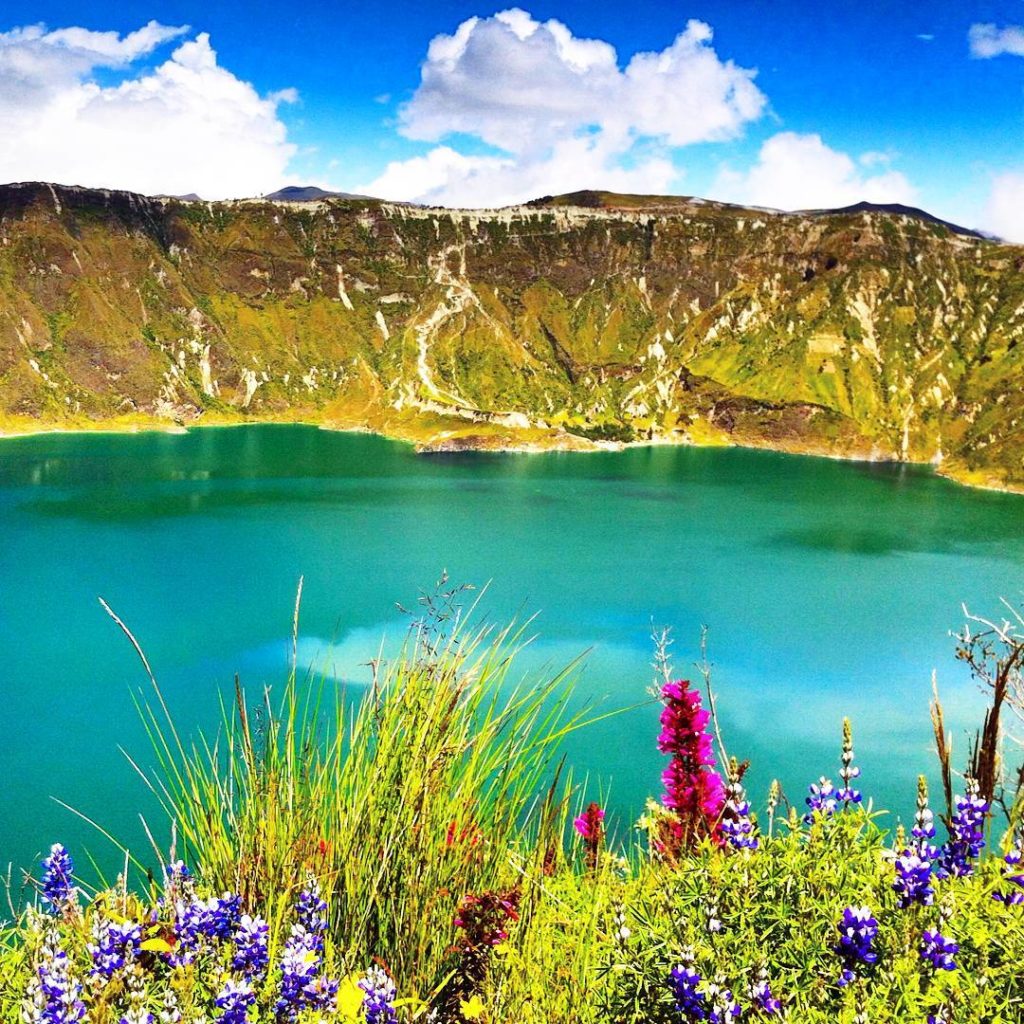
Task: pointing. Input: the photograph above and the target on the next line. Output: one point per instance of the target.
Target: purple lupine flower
(189, 930)
(761, 998)
(311, 912)
(378, 997)
(822, 799)
(114, 946)
(1013, 873)
(938, 950)
(199, 921)
(915, 865)
(848, 771)
(698, 1000)
(913, 883)
(966, 834)
(736, 825)
(924, 821)
(251, 957)
(301, 985)
(685, 983)
(857, 932)
(177, 874)
(724, 1008)
(300, 963)
(234, 1000)
(57, 888)
(223, 914)
(322, 994)
(54, 994)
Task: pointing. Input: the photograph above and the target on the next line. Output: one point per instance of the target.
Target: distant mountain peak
(308, 194)
(900, 209)
(599, 199)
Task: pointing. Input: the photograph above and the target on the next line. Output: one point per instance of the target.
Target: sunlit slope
(591, 316)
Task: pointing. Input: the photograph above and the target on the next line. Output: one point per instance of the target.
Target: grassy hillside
(591, 317)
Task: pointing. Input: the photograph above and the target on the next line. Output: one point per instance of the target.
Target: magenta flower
(590, 825)
(693, 791)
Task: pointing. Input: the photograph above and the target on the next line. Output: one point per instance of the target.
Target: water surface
(829, 588)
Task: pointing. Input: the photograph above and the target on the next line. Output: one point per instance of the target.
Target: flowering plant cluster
(737, 826)
(966, 834)
(693, 790)
(823, 798)
(590, 827)
(817, 919)
(1013, 872)
(916, 862)
(793, 880)
(858, 930)
(697, 999)
(138, 957)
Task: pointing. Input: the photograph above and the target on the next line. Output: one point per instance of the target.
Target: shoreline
(444, 442)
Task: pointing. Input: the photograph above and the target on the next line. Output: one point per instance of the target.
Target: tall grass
(442, 778)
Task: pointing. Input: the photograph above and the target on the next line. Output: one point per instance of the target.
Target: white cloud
(800, 172)
(186, 125)
(1004, 212)
(991, 41)
(561, 111)
(448, 178)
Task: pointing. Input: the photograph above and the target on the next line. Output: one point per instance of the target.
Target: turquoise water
(829, 588)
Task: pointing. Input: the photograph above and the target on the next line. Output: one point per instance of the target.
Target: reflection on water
(829, 589)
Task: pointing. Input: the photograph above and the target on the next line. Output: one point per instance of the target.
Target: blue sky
(784, 104)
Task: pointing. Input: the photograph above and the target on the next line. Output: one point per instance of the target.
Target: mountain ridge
(571, 321)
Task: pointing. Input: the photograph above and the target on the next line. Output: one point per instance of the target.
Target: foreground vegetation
(419, 855)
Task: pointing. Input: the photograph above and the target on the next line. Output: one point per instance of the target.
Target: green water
(828, 587)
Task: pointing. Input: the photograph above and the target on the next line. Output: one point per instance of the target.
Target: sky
(785, 104)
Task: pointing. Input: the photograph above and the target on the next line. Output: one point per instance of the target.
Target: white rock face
(342, 294)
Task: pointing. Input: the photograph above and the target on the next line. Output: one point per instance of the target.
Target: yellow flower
(472, 1009)
(157, 945)
(350, 998)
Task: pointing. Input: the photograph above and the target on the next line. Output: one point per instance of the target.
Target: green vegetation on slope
(862, 333)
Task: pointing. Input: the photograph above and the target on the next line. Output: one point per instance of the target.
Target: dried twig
(995, 656)
(704, 668)
(943, 747)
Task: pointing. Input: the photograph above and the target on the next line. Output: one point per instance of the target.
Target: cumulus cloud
(991, 41)
(185, 125)
(446, 177)
(800, 172)
(561, 112)
(1004, 212)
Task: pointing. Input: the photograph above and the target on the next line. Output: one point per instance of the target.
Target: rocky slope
(570, 320)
